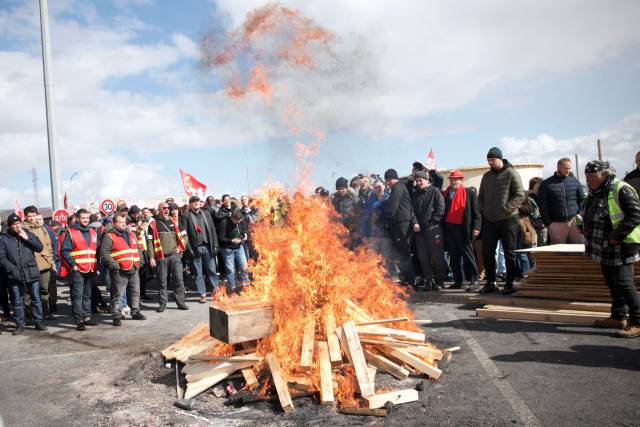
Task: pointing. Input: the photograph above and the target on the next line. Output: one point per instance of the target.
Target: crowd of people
(424, 231)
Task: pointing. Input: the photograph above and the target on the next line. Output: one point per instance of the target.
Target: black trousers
(401, 240)
(4, 296)
(461, 254)
(620, 280)
(429, 250)
(506, 231)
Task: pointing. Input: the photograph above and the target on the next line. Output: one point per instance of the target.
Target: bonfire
(318, 319)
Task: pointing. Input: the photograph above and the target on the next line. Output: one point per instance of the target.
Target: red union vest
(127, 256)
(83, 254)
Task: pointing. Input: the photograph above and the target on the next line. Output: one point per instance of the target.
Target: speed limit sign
(107, 206)
(61, 216)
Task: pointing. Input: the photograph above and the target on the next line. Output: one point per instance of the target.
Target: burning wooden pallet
(355, 350)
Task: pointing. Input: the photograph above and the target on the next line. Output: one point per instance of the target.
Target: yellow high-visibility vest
(615, 210)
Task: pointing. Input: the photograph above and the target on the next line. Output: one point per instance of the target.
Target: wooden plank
(302, 383)
(382, 321)
(428, 352)
(386, 365)
(414, 361)
(394, 333)
(229, 368)
(281, 385)
(326, 377)
(351, 410)
(206, 358)
(335, 356)
(250, 378)
(362, 315)
(581, 319)
(352, 343)
(234, 326)
(306, 355)
(541, 303)
(395, 397)
(202, 382)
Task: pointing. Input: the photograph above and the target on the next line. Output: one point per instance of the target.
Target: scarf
(182, 244)
(456, 210)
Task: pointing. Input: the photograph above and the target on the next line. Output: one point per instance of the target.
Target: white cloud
(620, 142)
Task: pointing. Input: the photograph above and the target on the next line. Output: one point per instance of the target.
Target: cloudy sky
(541, 79)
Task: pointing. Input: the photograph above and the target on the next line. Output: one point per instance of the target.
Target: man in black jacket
(17, 257)
(202, 248)
(428, 206)
(633, 177)
(462, 223)
(233, 237)
(401, 222)
(561, 197)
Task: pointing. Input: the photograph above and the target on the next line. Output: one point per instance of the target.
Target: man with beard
(428, 206)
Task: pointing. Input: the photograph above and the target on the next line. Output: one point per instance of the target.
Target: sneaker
(138, 316)
(80, 326)
(182, 306)
(19, 330)
(203, 299)
(117, 322)
(126, 311)
(40, 327)
(610, 323)
(488, 288)
(631, 331)
(161, 308)
(88, 321)
(508, 290)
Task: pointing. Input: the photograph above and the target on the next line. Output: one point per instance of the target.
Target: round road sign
(107, 206)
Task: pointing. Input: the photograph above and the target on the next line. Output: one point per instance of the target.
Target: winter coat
(560, 198)
(633, 178)
(348, 208)
(230, 231)
(44, 258)
(471, 219)
(373, 220)
(398, 207)
(500, 194)
(17, 257)
(428, 207)
(212, 235)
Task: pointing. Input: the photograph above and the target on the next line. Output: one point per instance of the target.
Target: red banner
(192, 186)
(431, 161)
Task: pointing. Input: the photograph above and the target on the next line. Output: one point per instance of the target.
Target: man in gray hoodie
(501, 192)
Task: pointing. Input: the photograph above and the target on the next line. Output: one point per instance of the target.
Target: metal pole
(599, 150)
(577, 168)
(246, 165)
(54, 167)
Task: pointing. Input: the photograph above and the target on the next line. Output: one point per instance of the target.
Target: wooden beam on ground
(349, 410)
(302, 383)
(395, 397)
(326, 377)
(250, 378)
(428, 352)
(382, 321)
(386, 365)
(335, 356)
(206, 358)
(354, 348)
(585, 318)
(541, 303)
(215, 369)
(281, 385)
(197, 383)
(417, 363)
(393, 333)
(306, 355)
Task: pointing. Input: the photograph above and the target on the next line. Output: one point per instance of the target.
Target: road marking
(497, 377)
(50, 356)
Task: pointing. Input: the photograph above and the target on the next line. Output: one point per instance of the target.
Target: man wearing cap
(462, 223)
(501, 192)
(345, 203)
(611, 224)
(560, 198)
(428, 206)
(17, 257)
(44, 258)
(401, 221)
(202, 247)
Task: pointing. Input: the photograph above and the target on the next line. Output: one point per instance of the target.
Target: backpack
(528, 232)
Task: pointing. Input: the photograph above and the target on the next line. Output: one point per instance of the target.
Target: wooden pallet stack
(563, 287)
(356, 349)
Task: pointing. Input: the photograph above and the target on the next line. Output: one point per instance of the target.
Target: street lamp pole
(54, 166)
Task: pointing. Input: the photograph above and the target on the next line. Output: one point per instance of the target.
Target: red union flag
(192, 186)
(431, 161)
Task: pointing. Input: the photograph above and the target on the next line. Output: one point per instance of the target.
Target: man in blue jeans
(202, 247)
(17, 258)
(232, 237)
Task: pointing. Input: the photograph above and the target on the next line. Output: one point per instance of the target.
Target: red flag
(66, 202)
(18, 211)
(431, 161)
(192, 186)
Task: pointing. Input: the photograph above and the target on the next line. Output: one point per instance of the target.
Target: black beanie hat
(391, 174)
(12, 219)
(494, 153)
(342, 183)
